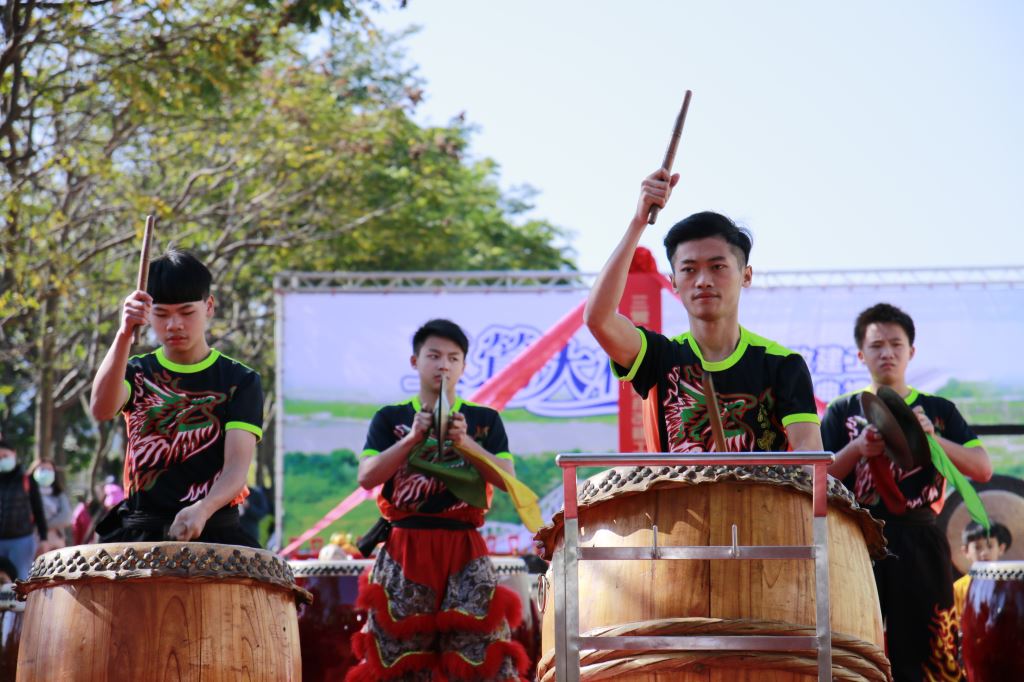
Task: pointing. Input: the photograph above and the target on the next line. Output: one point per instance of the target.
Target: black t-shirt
(843, 422)
(762, 388)
(177, 417)
(409, 492)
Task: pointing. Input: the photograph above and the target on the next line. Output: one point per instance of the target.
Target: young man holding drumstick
(764, 390)
(193, 415)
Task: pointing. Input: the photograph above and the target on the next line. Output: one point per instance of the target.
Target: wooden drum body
(326, 626)
(993, 622)
(11, 612)
(169, 611)
(698, 506)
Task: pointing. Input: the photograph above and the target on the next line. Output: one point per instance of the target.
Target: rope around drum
(853, 660)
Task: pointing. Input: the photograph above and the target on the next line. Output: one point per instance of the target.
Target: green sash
(975, 507)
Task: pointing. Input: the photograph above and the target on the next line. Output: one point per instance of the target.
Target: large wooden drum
(167, 611)
(698, 506)
(11, 610)
(993, 622)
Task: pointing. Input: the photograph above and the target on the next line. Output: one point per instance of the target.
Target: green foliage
(259, 157)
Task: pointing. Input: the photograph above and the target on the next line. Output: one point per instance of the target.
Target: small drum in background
(326, 626)
(513, 574)
(993, 622)
(160, 611)
(11, 610)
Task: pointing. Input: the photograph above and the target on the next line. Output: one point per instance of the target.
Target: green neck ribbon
(975, 507)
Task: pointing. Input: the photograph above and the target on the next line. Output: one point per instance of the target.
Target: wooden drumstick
(143, 278)
(714, 416)
(670, 154)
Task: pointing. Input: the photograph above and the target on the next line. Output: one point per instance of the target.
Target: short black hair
(709, 224)
(4, 445)
(178, 277)
(882, 313)
(446, 329)
(975, 531)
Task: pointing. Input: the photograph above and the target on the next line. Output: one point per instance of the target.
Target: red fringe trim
(372, 669)
(505, 605)
(494, 656)
(372, 596)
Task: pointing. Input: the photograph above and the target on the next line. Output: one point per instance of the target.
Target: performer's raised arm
(109, 392)
(616, 334)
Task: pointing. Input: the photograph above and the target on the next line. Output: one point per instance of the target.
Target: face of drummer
(439, 356)
(886, 352)
(984, 549)
(181, 328)
(708, 274)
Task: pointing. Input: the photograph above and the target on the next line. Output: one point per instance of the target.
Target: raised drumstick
(670, 154)
(143, 278)
(714, 416)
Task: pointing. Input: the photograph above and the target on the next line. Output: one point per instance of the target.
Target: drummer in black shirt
(764, 390)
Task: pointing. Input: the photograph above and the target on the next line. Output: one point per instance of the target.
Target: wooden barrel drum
(698, 506)
(993, 622)
(166, 611)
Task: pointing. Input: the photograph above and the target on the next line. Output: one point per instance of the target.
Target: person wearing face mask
(56, 506)
(22, 521)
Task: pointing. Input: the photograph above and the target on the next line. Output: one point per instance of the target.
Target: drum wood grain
(617, 592)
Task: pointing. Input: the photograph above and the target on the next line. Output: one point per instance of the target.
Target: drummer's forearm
(615, 333)
(239, 450)
(377, 469)
(972, 462)
(846, 460)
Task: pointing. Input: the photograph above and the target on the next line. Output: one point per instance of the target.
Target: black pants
(915, 589)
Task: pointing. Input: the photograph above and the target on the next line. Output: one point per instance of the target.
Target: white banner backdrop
(353, 348)
(342, 355)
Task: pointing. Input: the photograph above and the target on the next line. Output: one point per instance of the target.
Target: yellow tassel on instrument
(523, 499)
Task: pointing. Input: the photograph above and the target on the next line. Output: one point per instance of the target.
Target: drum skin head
(1003, 497)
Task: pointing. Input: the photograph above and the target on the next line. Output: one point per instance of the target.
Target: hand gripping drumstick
(143, 278)
(714, 416)
(670, 154)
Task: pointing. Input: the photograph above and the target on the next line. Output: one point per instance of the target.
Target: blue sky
(845, 135)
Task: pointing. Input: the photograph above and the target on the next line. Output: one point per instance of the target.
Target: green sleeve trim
(801, 418)
(128, 385)
(636, 363)
(973, 443)
(368, 452)
(243, 426)
(770, 347)
(504, 455)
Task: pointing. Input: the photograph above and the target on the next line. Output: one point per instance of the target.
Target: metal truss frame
(548, 280)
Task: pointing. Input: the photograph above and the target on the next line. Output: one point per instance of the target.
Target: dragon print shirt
(762, 388)
(922, 486)
(411, 493)
(177, 417)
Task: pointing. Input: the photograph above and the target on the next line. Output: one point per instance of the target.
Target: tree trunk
(44, 393)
